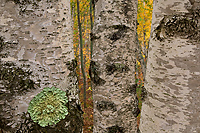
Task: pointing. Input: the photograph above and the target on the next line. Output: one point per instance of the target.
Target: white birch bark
(38, 38)
(113, 66)
(173, 69)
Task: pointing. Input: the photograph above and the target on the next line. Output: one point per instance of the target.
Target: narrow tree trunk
(91, 24)
(91, 28)
(81, 48)
(113, 66)
(173, 69)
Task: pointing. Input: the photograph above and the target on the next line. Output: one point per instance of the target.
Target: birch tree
(36, 51)
(113, 65)
(173, 69)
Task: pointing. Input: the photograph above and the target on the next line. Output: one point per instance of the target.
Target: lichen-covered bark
(113, 66)
(36, 51)
(173, 69)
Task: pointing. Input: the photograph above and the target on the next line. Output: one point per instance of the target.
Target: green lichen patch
(48, 107)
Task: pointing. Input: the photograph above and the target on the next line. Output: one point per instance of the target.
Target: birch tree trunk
(173, 69)
(36, 51)
(113, 66)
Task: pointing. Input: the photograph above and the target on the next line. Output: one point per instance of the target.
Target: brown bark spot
(111, 68)
(184, 26)
(106, 105)
(132, 89)
(94, 74)
(71, 65)
(144, 93)
(120, 33)
(115, 129)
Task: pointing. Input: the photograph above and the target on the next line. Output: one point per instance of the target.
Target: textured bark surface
(173, 69)
(36, 51)
(113, 66)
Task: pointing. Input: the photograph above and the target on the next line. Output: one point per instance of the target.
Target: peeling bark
(173, 74)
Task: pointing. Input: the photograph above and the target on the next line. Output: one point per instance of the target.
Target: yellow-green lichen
(48, 107)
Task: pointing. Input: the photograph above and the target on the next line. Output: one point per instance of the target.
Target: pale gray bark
(173, 69)
(113, 66)
(36, 36)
